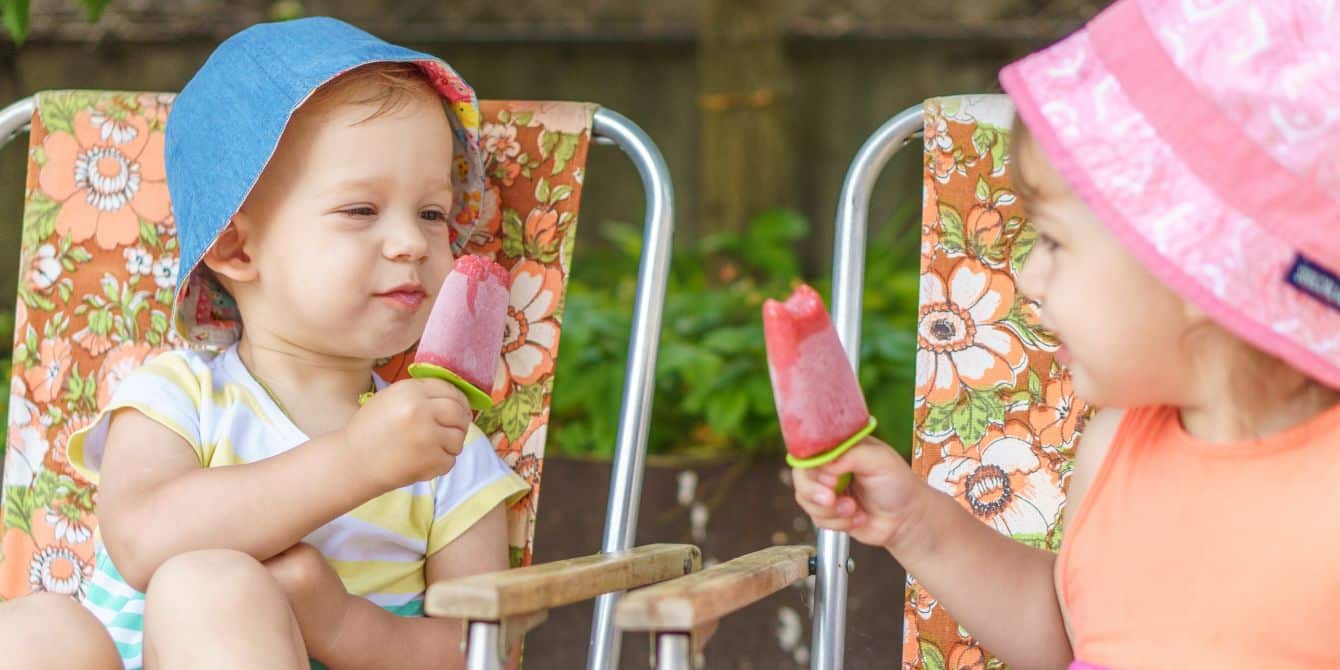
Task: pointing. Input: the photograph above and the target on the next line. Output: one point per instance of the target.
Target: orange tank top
(1188, 554)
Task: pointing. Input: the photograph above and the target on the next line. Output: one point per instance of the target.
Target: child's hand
(315, 593)
(875, 507)
(410, 431)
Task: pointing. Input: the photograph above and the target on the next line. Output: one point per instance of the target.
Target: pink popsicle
(819, 400)
(465, 330)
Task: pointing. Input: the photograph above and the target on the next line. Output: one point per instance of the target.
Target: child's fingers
(870, 457)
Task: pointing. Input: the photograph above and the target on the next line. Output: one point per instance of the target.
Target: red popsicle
(819, 401)
(463, 339)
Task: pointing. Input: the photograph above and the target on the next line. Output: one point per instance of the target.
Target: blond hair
(389, 86)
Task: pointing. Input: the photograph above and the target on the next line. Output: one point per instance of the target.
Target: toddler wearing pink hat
(1179, 161)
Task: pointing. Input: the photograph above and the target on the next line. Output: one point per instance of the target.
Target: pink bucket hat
(1205, 134)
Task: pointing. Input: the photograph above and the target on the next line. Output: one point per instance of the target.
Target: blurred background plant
(713, 397)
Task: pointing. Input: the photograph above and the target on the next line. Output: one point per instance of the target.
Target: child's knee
(212, 580)
(49, 630)
(299, 569)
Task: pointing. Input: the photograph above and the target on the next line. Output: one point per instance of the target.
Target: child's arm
(368, 637)
(156, 501)
(1000, 590)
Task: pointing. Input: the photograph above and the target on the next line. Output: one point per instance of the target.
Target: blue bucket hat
(226, 123)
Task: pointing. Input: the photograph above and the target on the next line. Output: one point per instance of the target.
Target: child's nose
(406, 242)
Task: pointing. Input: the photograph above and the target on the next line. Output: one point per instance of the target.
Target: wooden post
(745, 156)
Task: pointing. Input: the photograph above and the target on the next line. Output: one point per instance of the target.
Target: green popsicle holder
(832, 454)
(478, 399)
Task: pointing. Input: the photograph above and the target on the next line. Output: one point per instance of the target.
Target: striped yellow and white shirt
(217, 407)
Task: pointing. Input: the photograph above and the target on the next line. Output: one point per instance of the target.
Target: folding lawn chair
(98, 261)
(999, 438)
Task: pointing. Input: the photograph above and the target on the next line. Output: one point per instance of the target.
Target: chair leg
(674, 651)
(483, 646)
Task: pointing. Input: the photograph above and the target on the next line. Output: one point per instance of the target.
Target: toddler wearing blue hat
(252, 514)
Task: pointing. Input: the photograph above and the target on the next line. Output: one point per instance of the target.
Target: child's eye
(1047, 242)
(433, 215)
(359, 211)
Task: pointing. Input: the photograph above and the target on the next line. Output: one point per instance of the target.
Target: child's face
(1122, 330)
(348, 229)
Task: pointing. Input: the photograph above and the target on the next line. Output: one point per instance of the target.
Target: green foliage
(15, 15)
(712, 389)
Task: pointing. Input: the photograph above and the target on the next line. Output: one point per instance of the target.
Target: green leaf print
(975, 412)
(1023, 244)
(513, 242)
(39, 220)
(59, 109)
(19, 508)
(931, 656)
(939, 420)
(524, 118)
(951, 229)
(564, 151)
(148, 234)
(523, 403)
(559, 194)
(548, 140)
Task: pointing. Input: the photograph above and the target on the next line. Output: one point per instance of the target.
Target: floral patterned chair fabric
(99, 260)
(996, 421)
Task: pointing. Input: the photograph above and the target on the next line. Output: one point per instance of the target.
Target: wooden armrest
(692, 602)
(500, 595)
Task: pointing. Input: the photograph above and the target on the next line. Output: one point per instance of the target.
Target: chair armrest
(692, 602)
(496, 596)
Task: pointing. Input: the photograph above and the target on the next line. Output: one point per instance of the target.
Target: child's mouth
(405, 298)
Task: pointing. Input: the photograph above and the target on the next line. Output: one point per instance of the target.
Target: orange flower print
(923, 603)
(531, 339)
(508, 172)
(525, 461)
(47, 378)
(500, 141)
(962, 340)
(96, 344)
(59, 459)
(486, 237)
(930, 222)
(28, 447)
(108, 175)
(1057, 418)
(68, 523)
(1002, 481)
(911, 645)
(942, 165)
(22, 411)
(44, 268)
(936, 134)
(117, 366)
(984, 224)
(542, 227)
(966, 657)
(59, 570)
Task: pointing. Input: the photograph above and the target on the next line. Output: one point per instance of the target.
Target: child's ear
(228, 257)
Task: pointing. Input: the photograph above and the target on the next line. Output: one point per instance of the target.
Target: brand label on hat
(1315, 281)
